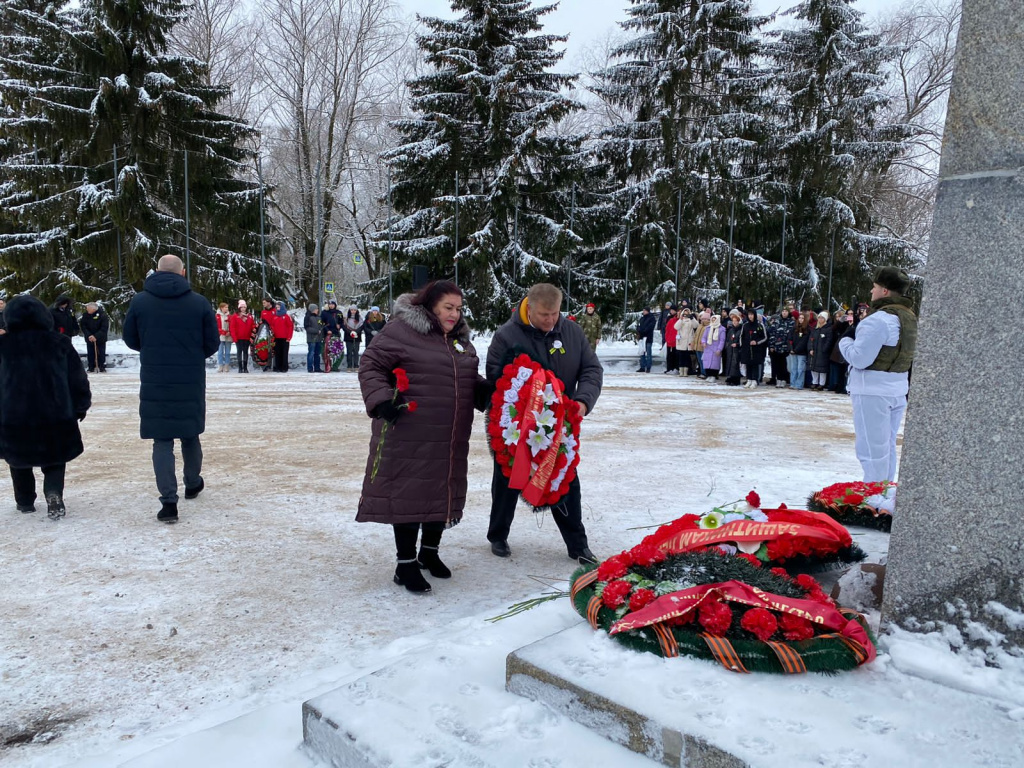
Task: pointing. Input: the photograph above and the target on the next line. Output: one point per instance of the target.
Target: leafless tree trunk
(222, 33)
(325, 64)
(925, 32)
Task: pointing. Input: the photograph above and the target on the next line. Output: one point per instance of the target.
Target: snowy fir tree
(832, 148)
(482, 175)
(691, 158)
(97, 121)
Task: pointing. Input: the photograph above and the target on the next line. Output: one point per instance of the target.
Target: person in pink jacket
(713, 338)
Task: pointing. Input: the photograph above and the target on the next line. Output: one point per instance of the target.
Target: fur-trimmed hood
(422, 320)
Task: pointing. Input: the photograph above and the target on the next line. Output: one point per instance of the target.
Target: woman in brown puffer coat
(421, 478)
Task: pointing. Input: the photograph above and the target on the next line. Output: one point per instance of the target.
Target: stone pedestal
(957, 549)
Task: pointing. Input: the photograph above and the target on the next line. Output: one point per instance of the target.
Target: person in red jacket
(241, 326)
(283, 327)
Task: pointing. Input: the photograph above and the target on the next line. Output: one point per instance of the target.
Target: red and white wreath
(534, 431)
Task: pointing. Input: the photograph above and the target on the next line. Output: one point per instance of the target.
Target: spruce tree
(486, 111)
(691, 78)
(82, 84)
(832, 147)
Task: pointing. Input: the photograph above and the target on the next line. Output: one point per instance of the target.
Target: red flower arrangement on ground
(713, 605)
(796, 538)
(868, 505)
(534, 432)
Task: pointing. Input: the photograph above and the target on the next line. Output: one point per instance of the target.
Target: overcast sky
(587, 20)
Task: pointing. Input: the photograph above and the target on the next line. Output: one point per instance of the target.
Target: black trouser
(568, 512)
(780, 371)
(243, 356)
(96, 353)
(351, 353)
(405, 538)
(281, 355)
(838, 375)
(672, 359)
(163, 466)
(25, 483)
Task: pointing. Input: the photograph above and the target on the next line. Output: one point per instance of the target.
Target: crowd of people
(742, 346)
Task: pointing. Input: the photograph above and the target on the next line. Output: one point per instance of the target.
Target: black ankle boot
(429, 559)
(408, 575)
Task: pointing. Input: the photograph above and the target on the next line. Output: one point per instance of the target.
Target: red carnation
(646, 554)
(715, 617)
(640, 598)
(412, 405)
(615, 593)
(780, 572)
(401, 379)
(759, 622)
(795, 627)
(754, 500)
(612, 568)
(752, 559)
(854, 499)
(807, 582)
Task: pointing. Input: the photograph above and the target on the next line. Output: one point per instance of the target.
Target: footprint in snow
(874, 724)
(469, 689)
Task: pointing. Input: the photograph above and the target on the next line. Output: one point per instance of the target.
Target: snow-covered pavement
(119, 630)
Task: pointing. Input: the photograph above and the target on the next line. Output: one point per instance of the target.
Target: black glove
(851, 332)
(80, 416)
(389, 411)
(482, 393)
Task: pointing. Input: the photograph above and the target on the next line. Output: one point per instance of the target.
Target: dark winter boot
(408, 571)
(408, 575)
(191, 493)
(55, 506)
(168, 513)
(428, 557)
(26, 508)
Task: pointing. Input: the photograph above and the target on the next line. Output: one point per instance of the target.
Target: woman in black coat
(733, 344)
(44, 393)
(754, 348)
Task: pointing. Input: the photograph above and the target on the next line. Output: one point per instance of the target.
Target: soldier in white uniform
(880, 355)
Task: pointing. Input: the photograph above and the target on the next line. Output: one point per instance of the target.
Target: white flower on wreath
(569, 442)
(729, 549)
(524, 374)
(549, 395)
(506, 416)
(511, 434)
(749, 547)
(538, 441)
(732, 517)
(511, 396)
(545, 418)
(534, 466)
(711, 521)
(758, 515)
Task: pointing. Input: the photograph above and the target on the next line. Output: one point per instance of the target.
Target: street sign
(357, 257)
(328, 287)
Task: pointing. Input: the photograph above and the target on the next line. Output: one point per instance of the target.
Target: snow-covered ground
(121, 636)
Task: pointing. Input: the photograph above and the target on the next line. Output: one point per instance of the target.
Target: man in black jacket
(538, 329)
(645, 336)
(64, 316)
(95, 325)
(174, 330)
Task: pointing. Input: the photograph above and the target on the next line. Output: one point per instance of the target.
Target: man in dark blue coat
(174, 330)
(538, 329)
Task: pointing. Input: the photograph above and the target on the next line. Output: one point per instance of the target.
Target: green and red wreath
(534, 432)
(796, 539)
(723, 586)
(868, 505)
(715, 606)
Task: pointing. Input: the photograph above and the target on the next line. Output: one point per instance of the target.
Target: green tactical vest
(899, 358)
